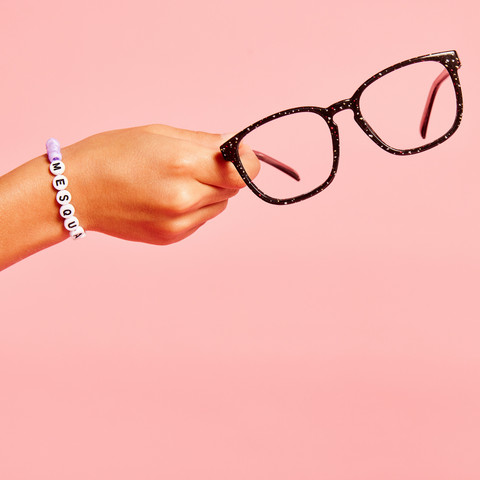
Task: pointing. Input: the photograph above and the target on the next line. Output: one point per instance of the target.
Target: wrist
(81, 185)
(63, 196)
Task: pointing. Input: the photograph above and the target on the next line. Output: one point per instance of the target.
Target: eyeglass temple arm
(277, 164)
(429, 105)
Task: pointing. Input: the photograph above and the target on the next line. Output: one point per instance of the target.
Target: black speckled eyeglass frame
(449, 60)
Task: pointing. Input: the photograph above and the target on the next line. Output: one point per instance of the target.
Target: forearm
(29, 218)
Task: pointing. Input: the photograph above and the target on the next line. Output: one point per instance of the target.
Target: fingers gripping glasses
(405, 109)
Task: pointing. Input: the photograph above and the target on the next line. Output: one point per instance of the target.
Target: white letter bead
(60, 182)
(67, 211)
(64, 197)
(71, 223)
(57, 167)
(79, 232)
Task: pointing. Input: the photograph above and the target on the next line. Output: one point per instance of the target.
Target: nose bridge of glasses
(340, 107)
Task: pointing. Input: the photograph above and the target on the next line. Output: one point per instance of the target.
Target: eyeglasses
(300, 147)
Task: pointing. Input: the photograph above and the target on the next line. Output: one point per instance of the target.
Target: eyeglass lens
(303, 142)
(393, 105)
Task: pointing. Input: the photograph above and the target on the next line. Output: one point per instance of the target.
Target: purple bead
(54, 155)
(53, 150)
(51, 142)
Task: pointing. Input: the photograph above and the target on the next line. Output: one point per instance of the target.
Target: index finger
(211, 140)
(210, 168)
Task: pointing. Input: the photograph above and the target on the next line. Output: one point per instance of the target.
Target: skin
(154, 184)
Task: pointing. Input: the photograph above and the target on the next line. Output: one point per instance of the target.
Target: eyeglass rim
(451, 62)
(449, 59)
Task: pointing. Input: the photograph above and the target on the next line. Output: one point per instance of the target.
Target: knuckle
(222, 206)
(181, 202)
(233, 192)
(174, 229)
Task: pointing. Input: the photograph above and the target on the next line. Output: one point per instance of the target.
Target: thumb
(249, 160)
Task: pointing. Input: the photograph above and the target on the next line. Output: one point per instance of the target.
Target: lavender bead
(54, 155)
(51, 142)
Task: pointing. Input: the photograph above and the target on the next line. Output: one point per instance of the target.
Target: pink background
(334, 339)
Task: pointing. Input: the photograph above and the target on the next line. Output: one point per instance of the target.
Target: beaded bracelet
(60, 183)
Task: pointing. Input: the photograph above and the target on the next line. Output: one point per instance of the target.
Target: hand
(153, 184)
